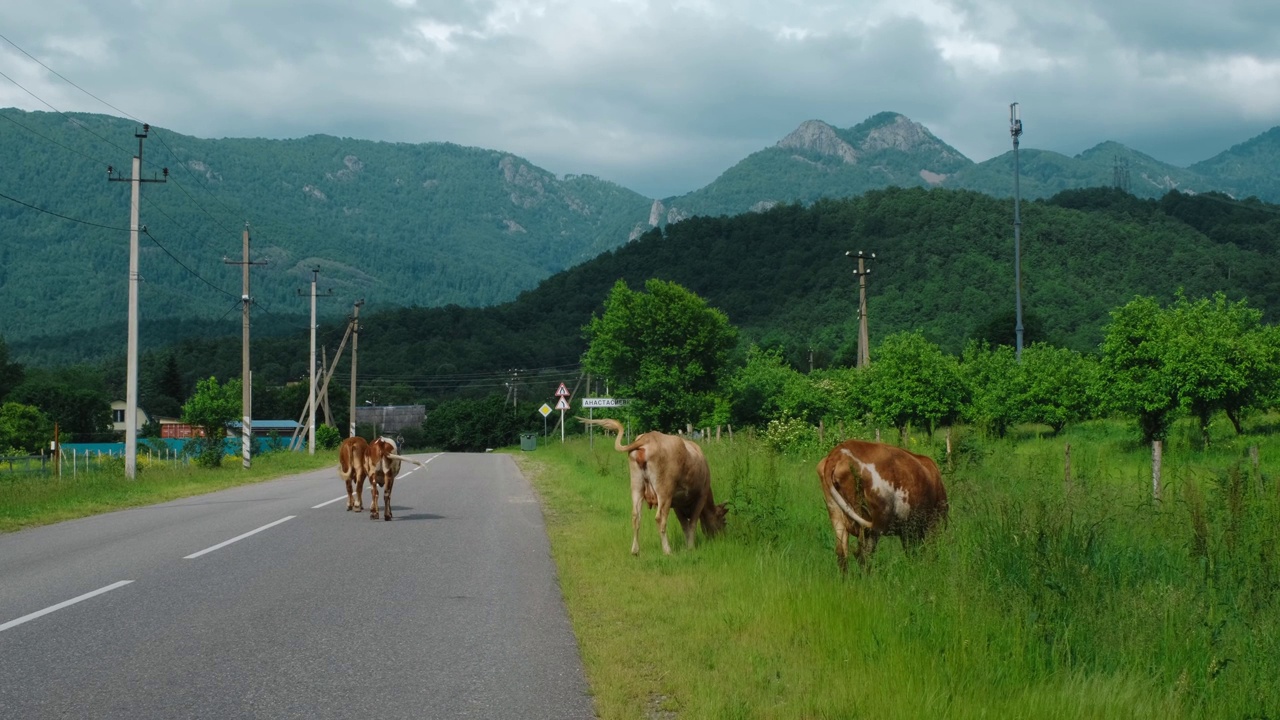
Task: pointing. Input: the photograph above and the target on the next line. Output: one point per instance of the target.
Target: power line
(55, 72)
(64, 217)
(147, 232)
(70, 119)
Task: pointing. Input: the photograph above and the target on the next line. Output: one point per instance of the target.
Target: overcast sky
(660, 95)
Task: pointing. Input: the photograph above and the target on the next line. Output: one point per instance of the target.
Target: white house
(118, 409)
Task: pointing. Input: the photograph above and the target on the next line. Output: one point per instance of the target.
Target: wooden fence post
(1067, 472)
(820, 432)
(1157, 448)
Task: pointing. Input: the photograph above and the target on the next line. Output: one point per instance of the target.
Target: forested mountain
(943, 264)
(393, 223)
(424, 225)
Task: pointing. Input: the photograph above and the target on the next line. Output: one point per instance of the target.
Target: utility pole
(311, 398)
(864, 350)
(246, 376)
(355, 340)
(1015, 131)
(131, 372)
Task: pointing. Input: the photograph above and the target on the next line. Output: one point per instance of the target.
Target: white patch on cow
(891, 495)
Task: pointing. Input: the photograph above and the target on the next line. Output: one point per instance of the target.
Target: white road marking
(237, 538)
(65, 603)
(329, 502)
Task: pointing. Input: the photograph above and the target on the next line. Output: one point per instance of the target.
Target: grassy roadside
(1038, 600)
(28, 500)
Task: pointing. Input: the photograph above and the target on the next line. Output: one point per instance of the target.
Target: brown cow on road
(671, 473)
(873, 489)
(384, 466)
(353, 469)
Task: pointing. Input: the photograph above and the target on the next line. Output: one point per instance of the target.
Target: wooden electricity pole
(864, 351)
(355, 341)
(246, 376)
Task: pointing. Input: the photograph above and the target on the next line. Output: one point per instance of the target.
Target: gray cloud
(662, 95)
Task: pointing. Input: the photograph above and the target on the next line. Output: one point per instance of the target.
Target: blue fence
(230, 445)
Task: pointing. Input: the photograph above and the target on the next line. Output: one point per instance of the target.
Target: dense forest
(942, 269)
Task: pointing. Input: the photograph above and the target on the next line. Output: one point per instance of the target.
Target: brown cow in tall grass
(872, 489)
(671, 473)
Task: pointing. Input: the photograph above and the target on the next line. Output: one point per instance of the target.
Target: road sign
(562, 404)
(562, 392)
(604, 402)
(545, 409)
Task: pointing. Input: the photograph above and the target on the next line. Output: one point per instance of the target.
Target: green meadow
(1041, 598)
(31, 499)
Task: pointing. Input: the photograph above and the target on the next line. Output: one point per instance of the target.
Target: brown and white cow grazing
(671, 473)
(384, 466)
(872, 489)
(353, 469)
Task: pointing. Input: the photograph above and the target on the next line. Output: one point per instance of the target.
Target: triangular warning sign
(562, 392)
(562, 404)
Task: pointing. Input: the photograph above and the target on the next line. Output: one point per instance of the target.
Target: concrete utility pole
(1015, 131)
(355, 341)
(311, 398)
(864, 350)
(246, 376)
(131, 371)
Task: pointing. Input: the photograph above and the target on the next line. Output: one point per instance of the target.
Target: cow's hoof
(387, 518)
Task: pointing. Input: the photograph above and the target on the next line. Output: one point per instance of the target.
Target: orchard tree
(1135, 369)
(995, 383)
(213, 407)
(1059, 386)
(912, 382)
(665, 349)
(1220, 357)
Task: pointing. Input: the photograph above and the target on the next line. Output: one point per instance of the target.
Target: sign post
(562, 404)
(545, 410)
(605, 402)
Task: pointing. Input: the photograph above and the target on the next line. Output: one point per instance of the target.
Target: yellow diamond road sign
(545, 409)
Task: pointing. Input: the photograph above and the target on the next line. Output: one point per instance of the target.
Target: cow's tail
(616, 427)
(843, 504)
(402, 458)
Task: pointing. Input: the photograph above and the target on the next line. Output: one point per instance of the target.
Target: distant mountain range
(820, 160)
(422, 224)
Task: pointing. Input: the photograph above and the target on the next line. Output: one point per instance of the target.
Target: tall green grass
(31, 499)
(1039, 599)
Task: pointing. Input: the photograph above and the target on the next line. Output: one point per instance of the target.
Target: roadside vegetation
(1042, 597)
(98, 486)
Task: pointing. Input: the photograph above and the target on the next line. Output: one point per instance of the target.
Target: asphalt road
(451, 610)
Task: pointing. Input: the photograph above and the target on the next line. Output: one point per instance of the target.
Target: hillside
(401, 224)
(942, 265)
(422, 225)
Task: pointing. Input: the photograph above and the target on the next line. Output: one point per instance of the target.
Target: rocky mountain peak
(819, 137)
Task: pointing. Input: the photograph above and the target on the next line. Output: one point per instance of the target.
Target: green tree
(74, 398)
(1135, 368)
(912, 382)
(213, 408)
(994, 382)
(664, 348)
(756, 387)
(1219, 357)
(23, 428)
(1059, 386)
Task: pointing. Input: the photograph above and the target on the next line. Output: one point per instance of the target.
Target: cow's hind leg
(360, 478)
(664, 506)
(386, 497)
(866, 545)
(637, 497)
(373, 492)
(351, 498)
